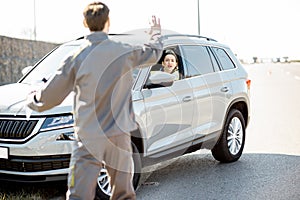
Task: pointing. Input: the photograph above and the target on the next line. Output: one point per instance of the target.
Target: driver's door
(169, 113)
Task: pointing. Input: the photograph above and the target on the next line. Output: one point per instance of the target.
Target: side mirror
(160, 79)
(26, 69)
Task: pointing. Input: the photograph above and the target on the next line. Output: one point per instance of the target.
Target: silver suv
(208, 107)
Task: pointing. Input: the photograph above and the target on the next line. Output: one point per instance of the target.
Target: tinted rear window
(225, 61)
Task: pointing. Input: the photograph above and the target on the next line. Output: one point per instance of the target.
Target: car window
(159, 67)
(197, 60)
(224, 59)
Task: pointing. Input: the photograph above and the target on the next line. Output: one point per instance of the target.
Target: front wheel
(103, 190)
(231, 143)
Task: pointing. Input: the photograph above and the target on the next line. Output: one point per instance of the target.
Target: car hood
(13, 99)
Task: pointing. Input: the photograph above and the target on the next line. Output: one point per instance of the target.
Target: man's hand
(31, 96)
(155, 30)
(32, 99)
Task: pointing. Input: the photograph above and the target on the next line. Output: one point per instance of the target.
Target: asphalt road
(269, 169)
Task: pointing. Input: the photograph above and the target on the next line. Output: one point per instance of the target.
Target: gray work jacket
(100, 75)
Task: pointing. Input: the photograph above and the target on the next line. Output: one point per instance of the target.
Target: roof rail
(110, 34)
(187, 35)
(80, 38)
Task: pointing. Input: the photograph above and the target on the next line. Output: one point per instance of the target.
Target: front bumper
(42, 158)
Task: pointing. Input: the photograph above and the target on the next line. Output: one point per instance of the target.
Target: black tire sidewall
(221, 150)
(137, 166)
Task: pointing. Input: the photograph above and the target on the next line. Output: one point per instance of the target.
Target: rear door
(230, 80)
(209, 88)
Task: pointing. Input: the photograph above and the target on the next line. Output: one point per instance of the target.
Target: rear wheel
(232, 141)
(103, 190)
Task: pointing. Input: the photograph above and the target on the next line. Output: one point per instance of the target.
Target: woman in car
(170, 63)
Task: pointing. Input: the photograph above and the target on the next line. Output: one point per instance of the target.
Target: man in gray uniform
(100, 75)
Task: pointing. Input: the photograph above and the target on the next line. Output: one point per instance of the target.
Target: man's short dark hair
(96, 15)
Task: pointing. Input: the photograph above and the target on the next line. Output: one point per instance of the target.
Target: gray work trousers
(116, 152)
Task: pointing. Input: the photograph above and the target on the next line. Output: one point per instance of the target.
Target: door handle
(224, 89)
(187, 99)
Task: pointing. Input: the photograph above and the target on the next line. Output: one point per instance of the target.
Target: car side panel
(211, 93)
(169, 117)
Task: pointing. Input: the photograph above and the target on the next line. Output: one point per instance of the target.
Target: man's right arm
(55, 90)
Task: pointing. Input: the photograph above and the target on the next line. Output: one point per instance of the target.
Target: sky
(263, 28)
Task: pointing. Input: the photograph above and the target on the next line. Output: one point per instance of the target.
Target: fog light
(66, 136)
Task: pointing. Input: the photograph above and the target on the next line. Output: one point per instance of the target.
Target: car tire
(232, 140)
(103, 188)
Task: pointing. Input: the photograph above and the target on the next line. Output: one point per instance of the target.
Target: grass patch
(30, 191)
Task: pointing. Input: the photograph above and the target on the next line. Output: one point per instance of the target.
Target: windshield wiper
(44, 80)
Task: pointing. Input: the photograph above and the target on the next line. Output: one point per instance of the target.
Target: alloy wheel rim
(235, 136)
(103, 181)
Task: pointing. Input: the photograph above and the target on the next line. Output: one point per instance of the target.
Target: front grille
(35, 163)
(16, 129)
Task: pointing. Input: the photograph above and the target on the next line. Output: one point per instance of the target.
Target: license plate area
(4, 152)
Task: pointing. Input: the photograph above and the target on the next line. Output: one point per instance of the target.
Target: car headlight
(57, 122)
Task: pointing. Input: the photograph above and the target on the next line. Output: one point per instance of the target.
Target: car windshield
(47, 67)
